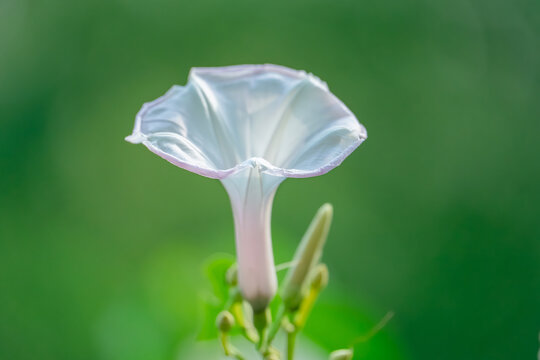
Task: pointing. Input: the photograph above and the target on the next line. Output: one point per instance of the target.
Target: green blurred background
(436, 214)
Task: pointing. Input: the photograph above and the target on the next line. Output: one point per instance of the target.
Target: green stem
(228, 349)
(291, 342)
(262, 340)
(274, 328)
(261, 320)
(305, 308)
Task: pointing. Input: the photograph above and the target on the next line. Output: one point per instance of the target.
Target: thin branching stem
(228, 348)
(291, 342)
(274, 328)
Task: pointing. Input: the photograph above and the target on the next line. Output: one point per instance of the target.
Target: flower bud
(320, 277)
(342, 354)
(272, 354)
(307, 256)
(225, 321)
(231, 276)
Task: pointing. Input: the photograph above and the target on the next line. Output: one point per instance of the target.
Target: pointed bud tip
(324, 215)
(225, 321)
(342, 354)
(323, 218)
(327, 210)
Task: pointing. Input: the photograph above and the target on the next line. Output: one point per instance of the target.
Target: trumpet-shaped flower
(251, 126)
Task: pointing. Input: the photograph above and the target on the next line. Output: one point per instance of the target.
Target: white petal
(226, 119)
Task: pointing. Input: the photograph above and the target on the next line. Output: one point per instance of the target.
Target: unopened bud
(288, 326)
(307, 255)
(320, 277)
(343, 354)
(272, 354)
(225, 321)
(232, 275)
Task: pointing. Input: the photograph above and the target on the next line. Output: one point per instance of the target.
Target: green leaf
(214, 301)
(210, 311)
(215, 269)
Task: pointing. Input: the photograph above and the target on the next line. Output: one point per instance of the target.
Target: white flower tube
(252, 192)
(251, 126)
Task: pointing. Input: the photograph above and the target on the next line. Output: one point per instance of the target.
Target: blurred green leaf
(350, 323)
(215, 269)
(210, 310)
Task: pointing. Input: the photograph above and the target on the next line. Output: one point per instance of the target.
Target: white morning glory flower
(251, 126)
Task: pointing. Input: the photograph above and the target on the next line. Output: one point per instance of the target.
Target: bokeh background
(436, 214)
